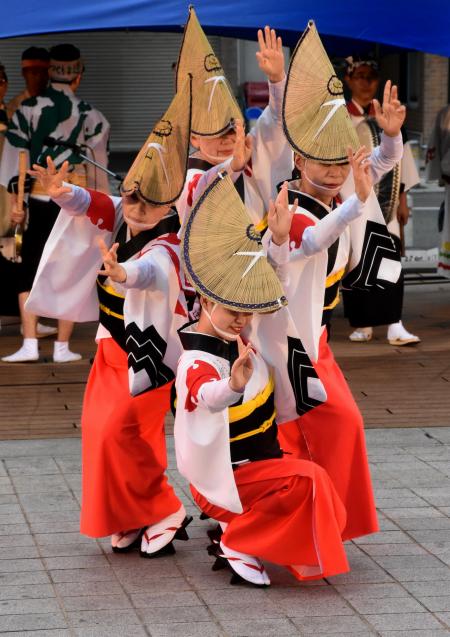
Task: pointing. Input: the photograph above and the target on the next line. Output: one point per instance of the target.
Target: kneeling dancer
(271, 507)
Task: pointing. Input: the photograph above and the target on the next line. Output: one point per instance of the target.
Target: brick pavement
(54, 582)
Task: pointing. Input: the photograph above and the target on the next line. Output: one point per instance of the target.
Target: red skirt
(123, 450)
(292, 516)
(332, 435)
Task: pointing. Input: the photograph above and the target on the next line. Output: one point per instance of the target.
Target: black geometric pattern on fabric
(300, 369)
(146, 350)
(377, 245)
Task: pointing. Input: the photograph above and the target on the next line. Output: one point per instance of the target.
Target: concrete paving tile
(13, 529)
(3, 473)
(423, 575)
(8, 499)
(45, 484)
(33, 621)
(315, 608)
(445, 617)
(187, 629)
(437, 496)
(437, 604)
(19, 566)
(424, 524)
(18, 552)
(10, 508)
(12, 518)
(166, 599)
(412, 512)
(26, 606)
(53, 516)
(109, 631)
(413, 633)
(6, 488)
(17, 579)
(78, 589)
(385, 537)
(16, 540)
(408, 561)
(374, 576)
(44, 528)
(431, 588)
(401, 502)
(244, 611)
(58, 632)
(103, 618)
(27, 591)
(80, 561)
(165, 585)
(147, 569)
(70, 550)
(393, 549)
(31, 466)
(387, 605)
(44, 447)
(343, 625)
(96, 602)
(441, 535)
(233, 595)
(404, 621)
(440, 465)
(174, 614)
(57, 539)
(47, 502)
(370, 591)
(82, 575)
(69, 464)
(255, 628)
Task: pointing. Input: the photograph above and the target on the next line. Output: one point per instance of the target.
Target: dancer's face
(137, 212)
(227, 321)
(322, 181)
(215, 149)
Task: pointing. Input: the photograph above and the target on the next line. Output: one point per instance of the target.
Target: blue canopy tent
(423, 26)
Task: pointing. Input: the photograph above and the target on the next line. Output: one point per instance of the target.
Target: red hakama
(292, 516)
(332, 435)
(123, 450)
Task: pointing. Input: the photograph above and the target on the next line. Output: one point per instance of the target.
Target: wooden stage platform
(394, 386)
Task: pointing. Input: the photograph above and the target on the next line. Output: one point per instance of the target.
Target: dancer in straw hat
(318, 416)
(270, 506)
(217, 124)
(142, 303)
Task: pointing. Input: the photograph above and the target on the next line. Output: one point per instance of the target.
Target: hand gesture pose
(111, 267)
(391, 115)
(270, 55)
(242, 368)
(362, 175)
(51, 179)
(242, 148)
(280, 216)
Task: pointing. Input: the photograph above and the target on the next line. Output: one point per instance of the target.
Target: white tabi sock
(62, 353)
(27, 353)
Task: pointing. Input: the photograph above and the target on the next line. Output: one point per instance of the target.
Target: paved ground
(53, 582)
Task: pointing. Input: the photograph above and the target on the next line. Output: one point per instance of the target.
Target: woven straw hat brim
(217, 229)
(158, 173)
(315, 118)
(214, 107)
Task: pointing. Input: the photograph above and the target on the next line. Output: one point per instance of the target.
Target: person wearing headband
(270, 507)
(438, 168)
(35, 62)
(381, 307)
(217, 122)
(139, 297)
(329, 238)
(36, 126)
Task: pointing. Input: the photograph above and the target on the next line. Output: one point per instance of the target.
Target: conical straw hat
(222, 254)
(158, 173)
(315, 118)
(214, 107)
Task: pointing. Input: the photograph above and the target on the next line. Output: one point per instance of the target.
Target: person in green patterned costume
(60, 115)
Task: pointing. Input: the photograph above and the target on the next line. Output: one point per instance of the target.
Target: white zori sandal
(398, 335)
(157, 538)
(361, 335)
(245, 568)
(125, 541)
